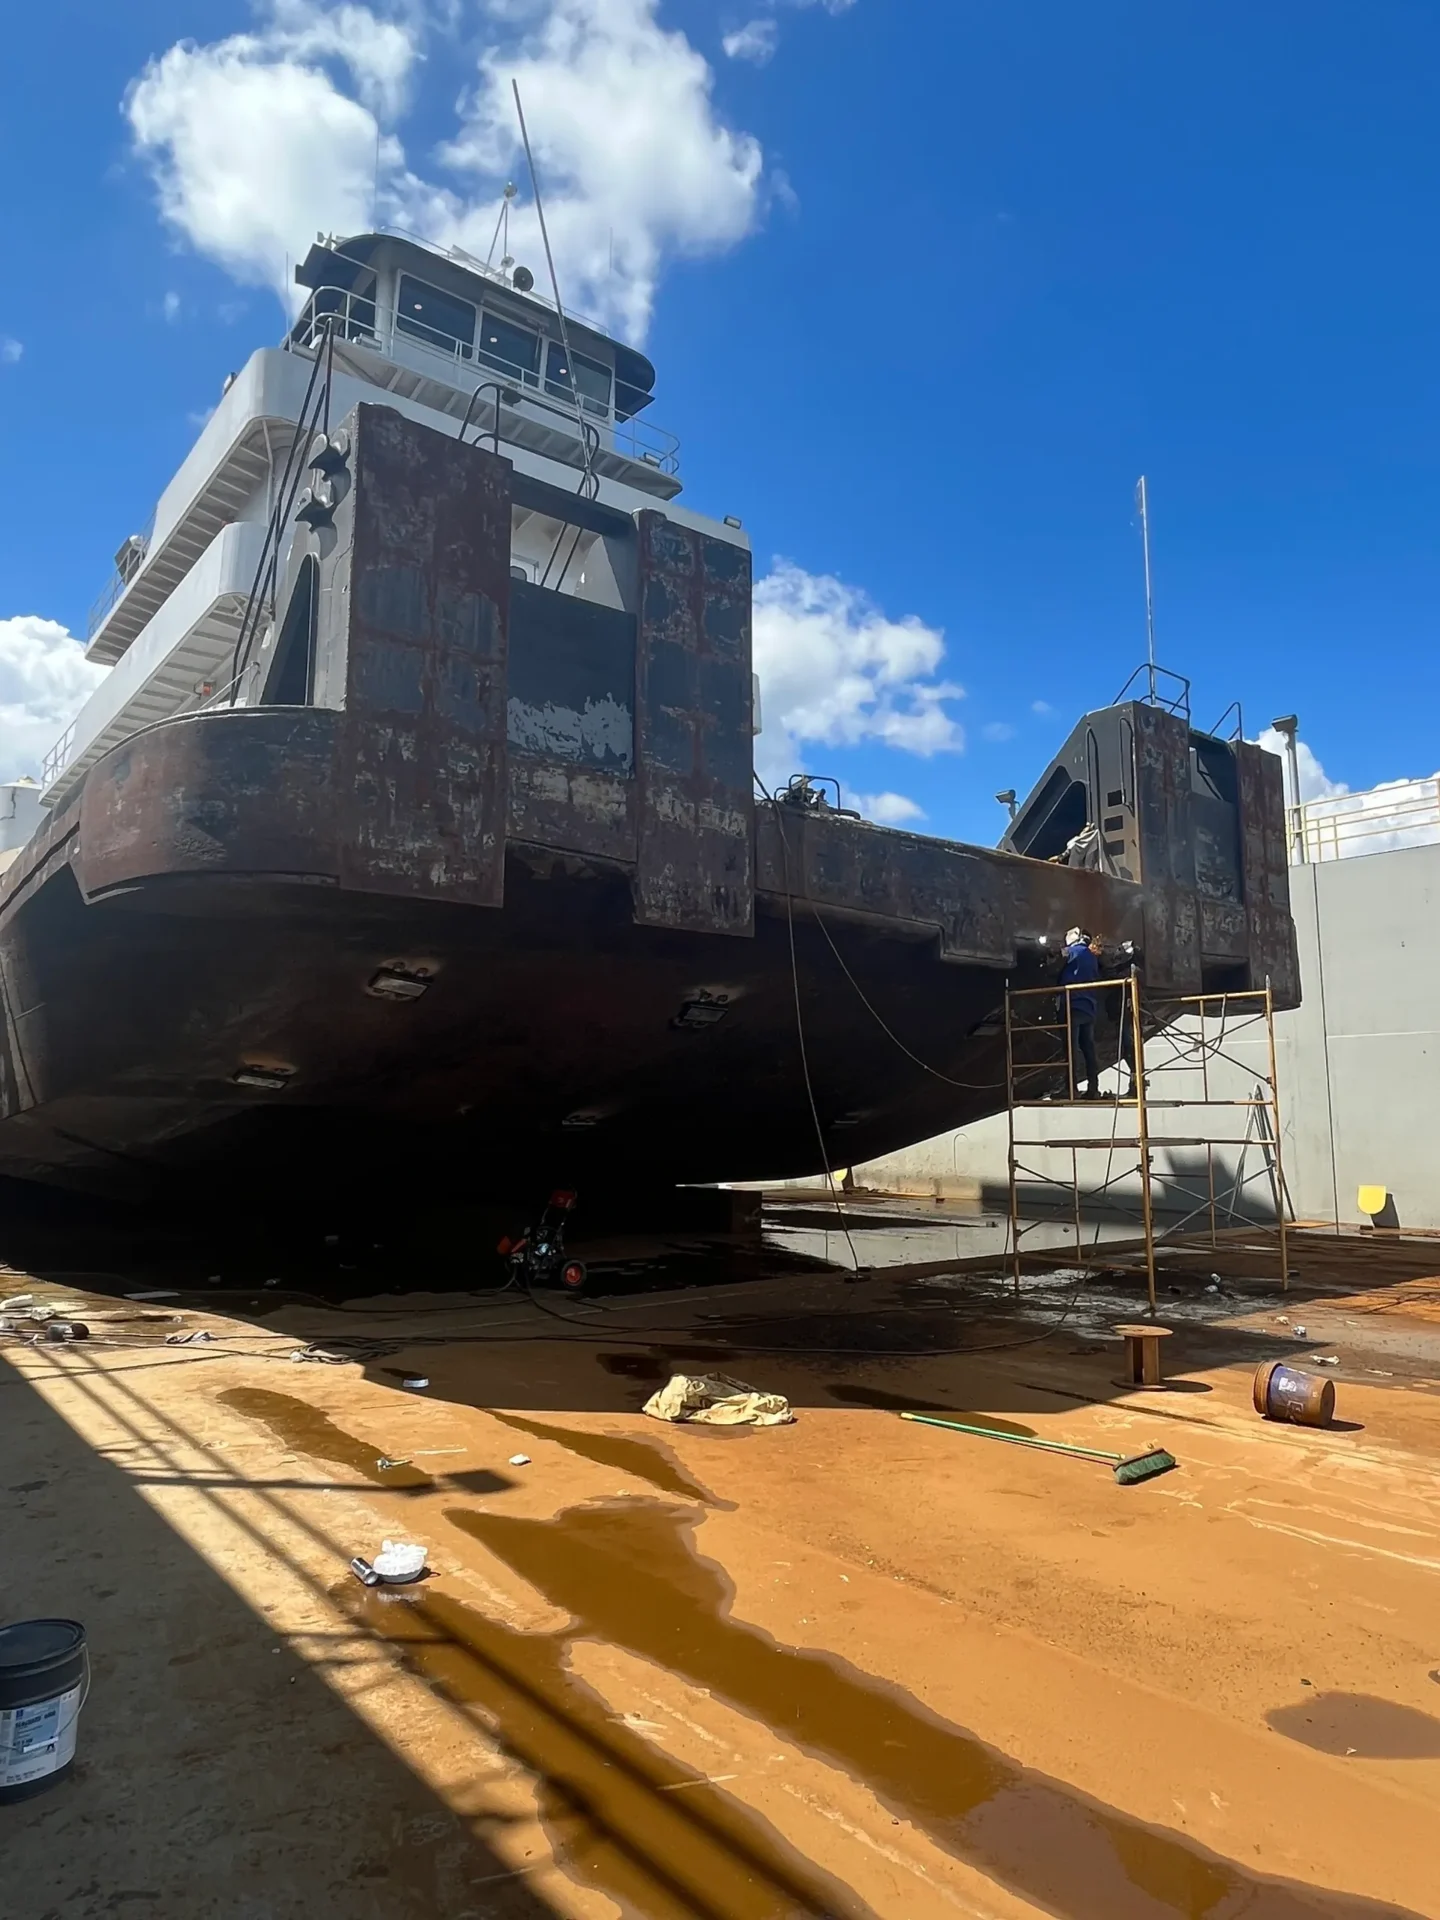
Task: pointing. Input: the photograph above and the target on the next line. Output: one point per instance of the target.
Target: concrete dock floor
(852, 1666)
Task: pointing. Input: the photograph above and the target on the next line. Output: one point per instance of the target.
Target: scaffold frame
(1153, 1042)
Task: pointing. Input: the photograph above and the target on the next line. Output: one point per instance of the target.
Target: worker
(1081, 966)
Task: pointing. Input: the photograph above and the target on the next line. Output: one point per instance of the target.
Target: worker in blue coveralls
(1081, 966)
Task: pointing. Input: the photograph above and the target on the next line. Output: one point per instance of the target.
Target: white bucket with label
(44, 1680)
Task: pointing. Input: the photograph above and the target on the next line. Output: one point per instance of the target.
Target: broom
(1137, 1466)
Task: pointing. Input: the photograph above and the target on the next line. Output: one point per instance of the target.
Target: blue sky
(928, 286)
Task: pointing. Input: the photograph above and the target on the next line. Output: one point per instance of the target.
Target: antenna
(590, 484)
(502, 221)
(1143, 504)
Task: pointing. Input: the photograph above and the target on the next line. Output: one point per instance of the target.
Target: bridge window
(592, 377)
(509, 349)
(436, 317)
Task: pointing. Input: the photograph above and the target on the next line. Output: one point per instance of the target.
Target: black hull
(551, 1043)
(601, 915)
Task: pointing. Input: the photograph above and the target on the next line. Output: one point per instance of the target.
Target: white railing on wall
(1401, 813)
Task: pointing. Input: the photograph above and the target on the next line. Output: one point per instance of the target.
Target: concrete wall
(1358, 1066)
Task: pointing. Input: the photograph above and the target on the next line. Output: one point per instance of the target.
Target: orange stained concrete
(849, 1667)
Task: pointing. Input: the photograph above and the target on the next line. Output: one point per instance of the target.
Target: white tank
(20, 812)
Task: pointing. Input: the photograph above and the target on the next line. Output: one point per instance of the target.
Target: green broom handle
(1016, 1439)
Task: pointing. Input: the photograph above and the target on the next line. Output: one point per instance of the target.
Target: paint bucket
(44, 1678)
(1285, 1393)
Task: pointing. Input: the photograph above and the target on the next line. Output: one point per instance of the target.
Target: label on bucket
(38, 1740)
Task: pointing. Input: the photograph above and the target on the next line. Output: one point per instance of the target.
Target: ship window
(591, 376)
(433, 316)
(508, 348)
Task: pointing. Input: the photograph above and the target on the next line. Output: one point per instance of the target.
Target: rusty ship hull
(430, 922)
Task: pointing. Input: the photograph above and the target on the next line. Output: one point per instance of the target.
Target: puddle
(296, 1424)
(641, 1458)
(1361, 1724)
(304, 1428)
(628, 1573)
(621, 1815)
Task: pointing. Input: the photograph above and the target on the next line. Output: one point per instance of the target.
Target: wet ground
(851, 1666)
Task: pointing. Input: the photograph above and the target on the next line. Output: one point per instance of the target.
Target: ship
(412, 842)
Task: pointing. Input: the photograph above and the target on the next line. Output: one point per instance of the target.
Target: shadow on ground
(938, 1333)
(216, 1772)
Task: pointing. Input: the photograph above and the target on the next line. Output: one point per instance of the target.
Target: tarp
(715, 1400)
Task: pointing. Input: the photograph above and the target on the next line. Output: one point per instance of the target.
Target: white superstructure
(445, 340)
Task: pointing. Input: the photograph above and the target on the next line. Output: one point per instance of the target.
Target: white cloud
(889, 809)
(1042, 707)
(252, 143)
(44, 680)
(258, 141)
(170, 308)
(1315, 783)
(755, 41)
(634, 164)
(835, 671)
(998, 730)
(782, 191)
(10, 351)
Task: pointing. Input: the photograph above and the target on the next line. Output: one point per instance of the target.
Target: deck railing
(135, 550)
(464, 366)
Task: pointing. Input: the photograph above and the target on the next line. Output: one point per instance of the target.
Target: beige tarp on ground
(715, 1400)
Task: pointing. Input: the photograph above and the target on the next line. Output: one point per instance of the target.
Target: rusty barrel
(1285, 1393)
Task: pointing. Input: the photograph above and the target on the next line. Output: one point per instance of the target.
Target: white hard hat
(1075, 933)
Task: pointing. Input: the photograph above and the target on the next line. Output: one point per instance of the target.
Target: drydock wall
(1359, 1066)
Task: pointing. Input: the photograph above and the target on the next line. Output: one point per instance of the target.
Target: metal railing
(1402, 813)
(1164, 689)
(120, 579)
(58, 758)
(360, 322)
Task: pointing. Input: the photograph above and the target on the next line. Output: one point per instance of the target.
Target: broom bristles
(1144, 1466)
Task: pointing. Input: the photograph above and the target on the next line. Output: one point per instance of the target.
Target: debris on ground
(320, 1356)
(416, 1381)
(717, 1400)
(67, 1330)
(364, 1572)
(156, 1293)
(519, 1460)
(196, 1339)
(399, 1561)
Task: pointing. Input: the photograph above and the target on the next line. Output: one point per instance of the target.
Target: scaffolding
(1195, 1035)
